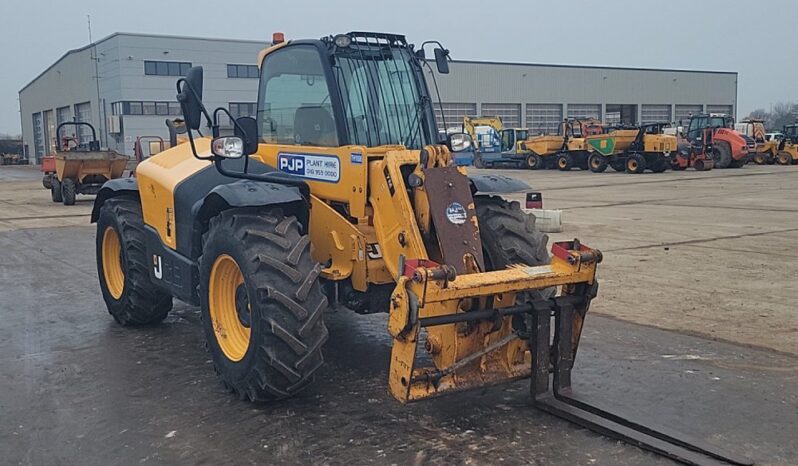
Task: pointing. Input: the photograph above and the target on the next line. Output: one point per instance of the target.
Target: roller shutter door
(584, 111)
(454, 113)
(655, 113)
(683, 112)
(543, 118)
(509, 113)
(726, 109)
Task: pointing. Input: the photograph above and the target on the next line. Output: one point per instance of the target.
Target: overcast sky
(755, 38)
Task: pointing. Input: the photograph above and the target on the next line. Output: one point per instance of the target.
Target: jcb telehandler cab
(340, 191)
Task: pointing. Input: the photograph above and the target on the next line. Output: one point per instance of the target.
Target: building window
(242, 71)
(241, 109)
(63, 114)
(135, 107)
(166, 68)
(83, 113)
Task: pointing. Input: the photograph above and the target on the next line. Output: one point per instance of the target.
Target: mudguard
(496, 184)
(248, 193)
(113, 188)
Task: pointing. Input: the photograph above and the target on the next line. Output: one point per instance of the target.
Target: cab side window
(294, 99)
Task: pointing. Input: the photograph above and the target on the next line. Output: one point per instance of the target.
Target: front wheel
(760, 158)
(565, 162)
(262, 303)
(597, 162)
(509, 237)
(784, 158)
(55, 190)
(68, 191)
(635, 163)
(533, 161)
(722, 154)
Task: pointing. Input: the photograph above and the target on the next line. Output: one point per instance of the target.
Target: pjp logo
(292, 164)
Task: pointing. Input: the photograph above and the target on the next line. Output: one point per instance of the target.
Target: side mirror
(441, 60)
(190, 97)
(246, 128)
(458, 142)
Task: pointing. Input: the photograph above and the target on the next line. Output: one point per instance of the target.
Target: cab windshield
(383, 102)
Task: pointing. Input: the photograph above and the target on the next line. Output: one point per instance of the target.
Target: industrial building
(124, 85)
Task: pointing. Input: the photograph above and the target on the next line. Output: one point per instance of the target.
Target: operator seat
(314, 126)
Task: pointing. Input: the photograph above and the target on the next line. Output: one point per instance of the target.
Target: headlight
(342, 40)
(228, 147)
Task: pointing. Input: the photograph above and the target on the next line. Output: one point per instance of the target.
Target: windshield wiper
(416, 128)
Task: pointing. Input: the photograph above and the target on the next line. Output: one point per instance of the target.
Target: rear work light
(534, 200)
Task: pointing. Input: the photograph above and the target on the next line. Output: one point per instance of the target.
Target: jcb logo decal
(157, 267)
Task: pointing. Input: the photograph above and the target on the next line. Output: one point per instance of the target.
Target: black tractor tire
(721, 153)
(597, 162)
(284, 298)
(635, 163)
(533, 161)
(739, 163)
(509, 237)
(47, 181)
(660, 165)
(478, 162)
(68, 191)
(55, 190)
(141, 302)
(565, 162)
(784, 158)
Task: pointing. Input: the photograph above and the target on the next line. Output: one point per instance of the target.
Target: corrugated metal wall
(653, 95)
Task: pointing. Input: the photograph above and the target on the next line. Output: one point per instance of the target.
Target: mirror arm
(194, 148)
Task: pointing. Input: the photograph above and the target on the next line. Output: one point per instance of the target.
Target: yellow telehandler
(341, 191)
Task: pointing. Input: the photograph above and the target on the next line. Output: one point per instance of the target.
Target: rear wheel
(597, 162)
(659, 165)
(123, 265)
(760, 158)
(262, 303)
(509, 237)
(565, 162)
(55, 190)
(68, 191)
(533, 161)
(784, 158)
(635, 163)
(722, 155)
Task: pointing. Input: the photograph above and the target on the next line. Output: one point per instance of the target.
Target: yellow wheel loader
(788, 147)
(340, 191)
(766, 151)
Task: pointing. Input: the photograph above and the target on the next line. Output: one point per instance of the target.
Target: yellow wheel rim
(225, 297)
(562, 163)
(633, 165)
(595, 163)
(113, 273)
